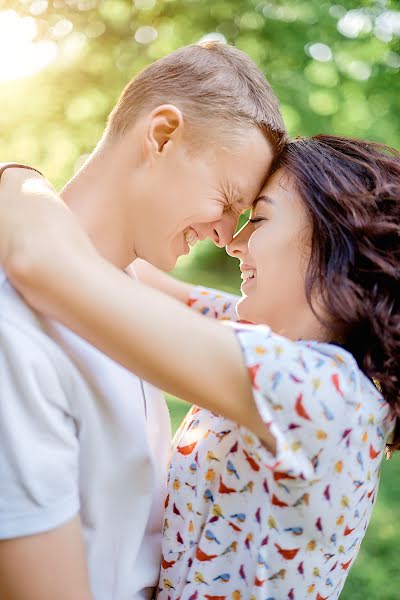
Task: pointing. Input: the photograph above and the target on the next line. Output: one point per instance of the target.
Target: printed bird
(299, 408)
(217, 511)
(328, 414)
(211, 537)
(276, 377)
(179, 538)
(333, 539)
(340, 520)
(293, 426)
(339, 466)
(242, 573)
(300, 568)
(208, 495)
(318, 524)
(253, 464)
(291, 594)
(261, 561)
(257, 516)
(327, 493)
(224, 489)
(348, 530)
(258, 582)
(321, 434)
(304, 499)
(316, 572)
(241, 517)
(346, 565)
(230, 467)
(319, 597)
(167, 564)
(247, 488)
(311, 546)
(315, 460)
(210, 475)
(224, 577)
(193, 467)
(222, 434)
(372, 452)
(234, 527)
(278, 575)
(329, 582)
(265, 486)
(360, 459)
(345, 502)
(336, 382)
(236, 595)
(311, 588)
(231, 548)
(191, 526)
(186, 450)
(211, 456)
(294, 530)
(176, 484)
(316, 384)
(328, 556)
(199, 578)
(286, 553)
(276, 502)
(234, 448)
(168, 584)
(176, 510)
(202, 556)
(265, 540)
(194, 596)
(249, 538)
(272, 523)
(208, 597)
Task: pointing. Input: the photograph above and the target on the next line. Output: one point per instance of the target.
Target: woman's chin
(244, 310)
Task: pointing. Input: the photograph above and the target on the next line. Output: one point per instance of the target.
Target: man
(84, 443)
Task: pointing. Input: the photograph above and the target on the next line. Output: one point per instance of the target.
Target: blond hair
(211, 83)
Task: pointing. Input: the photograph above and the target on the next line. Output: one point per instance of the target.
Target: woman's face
(274, 252)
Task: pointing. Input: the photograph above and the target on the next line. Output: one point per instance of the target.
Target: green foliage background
(350, 86)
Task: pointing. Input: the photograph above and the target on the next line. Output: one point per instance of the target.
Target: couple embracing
(274, 472)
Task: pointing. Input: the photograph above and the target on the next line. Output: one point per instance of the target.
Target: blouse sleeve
(213, 304)
(305, 395)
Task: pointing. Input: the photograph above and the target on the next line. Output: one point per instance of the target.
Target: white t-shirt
(79, 433)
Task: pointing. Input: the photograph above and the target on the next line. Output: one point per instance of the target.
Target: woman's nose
(239, 243)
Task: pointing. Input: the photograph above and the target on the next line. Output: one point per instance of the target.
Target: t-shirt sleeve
(213, 304)
(38, 439)
(305, 396)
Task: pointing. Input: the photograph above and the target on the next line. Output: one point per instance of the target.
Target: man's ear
(164, 125)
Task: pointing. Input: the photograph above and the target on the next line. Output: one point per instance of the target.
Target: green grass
(376, 572)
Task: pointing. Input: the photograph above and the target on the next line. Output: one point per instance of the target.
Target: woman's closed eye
(257, 219)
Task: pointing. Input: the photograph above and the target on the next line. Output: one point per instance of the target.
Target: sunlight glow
(21, 55)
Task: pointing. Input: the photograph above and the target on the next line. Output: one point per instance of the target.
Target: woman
(274, 471)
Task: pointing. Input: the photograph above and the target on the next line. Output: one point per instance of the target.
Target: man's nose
(238, 245)
(221, 232)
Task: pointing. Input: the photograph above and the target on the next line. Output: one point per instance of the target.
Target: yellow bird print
(311, 588)
(211, 456)
(217, 511)
(272, 524)
(311, 545)
(236, 595)
(176, 484)
(198, 578)
(168, 584)
(345, 502)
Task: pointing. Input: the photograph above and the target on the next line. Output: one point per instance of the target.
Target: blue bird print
(211, 537)
(230, 467)
(224, 577)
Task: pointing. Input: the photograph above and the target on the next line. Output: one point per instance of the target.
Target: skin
(134, 198)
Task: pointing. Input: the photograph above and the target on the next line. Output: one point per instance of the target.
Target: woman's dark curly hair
(351, 189)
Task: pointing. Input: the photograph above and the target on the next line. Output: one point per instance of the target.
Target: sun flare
(22, 55)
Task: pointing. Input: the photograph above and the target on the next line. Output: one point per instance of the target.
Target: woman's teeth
(248, 275)
(190, 236)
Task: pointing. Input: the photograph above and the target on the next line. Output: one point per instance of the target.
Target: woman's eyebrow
(263, 198)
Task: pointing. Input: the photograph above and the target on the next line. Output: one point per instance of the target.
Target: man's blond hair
(213, 84)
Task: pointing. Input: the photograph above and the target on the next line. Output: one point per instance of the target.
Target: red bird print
(301, 411)
(175, 510)
(347, 531)
(265, 486)
(214, 597)
(186, 450)
(319, 597)
(300, 568)
(318, 524)
(166, 502)
(242, 573)
(253, 374)
(327, 493)
(372, 452)
(224, 489)
(278, 475)
(253, 464)
(194, 596)
(277, 502)
(234, 527)
(346, 565)
(234, 448)
(258, 582)
(167, 565)
(203, 557)
(291, 594)
(287, 554)
(336, 383)
(179, 538)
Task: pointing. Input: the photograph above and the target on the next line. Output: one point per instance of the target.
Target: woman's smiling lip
(248, 274)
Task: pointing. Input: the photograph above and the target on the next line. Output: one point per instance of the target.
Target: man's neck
(96, 197)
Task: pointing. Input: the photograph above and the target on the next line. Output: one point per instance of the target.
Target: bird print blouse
(243, 524)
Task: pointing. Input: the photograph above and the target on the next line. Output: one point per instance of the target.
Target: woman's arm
(148, 332)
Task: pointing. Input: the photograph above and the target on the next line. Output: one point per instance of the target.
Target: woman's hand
(37, 233)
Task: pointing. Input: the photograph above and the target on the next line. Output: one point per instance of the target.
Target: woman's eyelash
(256, 220)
